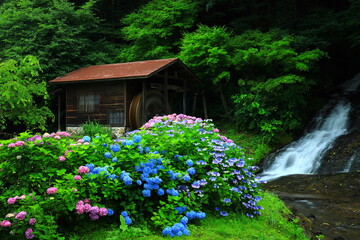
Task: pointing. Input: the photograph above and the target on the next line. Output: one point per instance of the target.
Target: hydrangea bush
(173, 171)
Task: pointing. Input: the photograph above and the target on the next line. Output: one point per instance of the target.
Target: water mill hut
(125, 95)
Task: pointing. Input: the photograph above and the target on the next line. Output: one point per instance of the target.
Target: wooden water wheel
(154, 105)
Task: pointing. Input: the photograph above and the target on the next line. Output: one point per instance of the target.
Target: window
(88, 102)
(116, 118)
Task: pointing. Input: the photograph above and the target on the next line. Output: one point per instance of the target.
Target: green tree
(155, 29)
(273, 80)
(206, 51)
(22, 94)
(351, 21)
(63, 37)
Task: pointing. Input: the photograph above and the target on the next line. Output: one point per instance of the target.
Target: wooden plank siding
(111, 98)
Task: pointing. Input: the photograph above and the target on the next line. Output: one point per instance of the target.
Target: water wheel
(154, 105)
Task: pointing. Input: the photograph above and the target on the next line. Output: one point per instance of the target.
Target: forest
(270, 63)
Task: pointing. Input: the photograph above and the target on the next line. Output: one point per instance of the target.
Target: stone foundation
(117, 131)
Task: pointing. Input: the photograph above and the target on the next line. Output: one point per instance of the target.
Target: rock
(311, 217)
(339, 238)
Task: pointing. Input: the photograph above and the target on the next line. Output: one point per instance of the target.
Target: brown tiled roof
(141, 69)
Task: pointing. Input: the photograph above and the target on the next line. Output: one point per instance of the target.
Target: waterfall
(304, 155)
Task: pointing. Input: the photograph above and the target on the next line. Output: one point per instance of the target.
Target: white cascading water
(304, 155)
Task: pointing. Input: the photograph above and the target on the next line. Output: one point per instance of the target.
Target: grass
(91, 128)
(272, 225)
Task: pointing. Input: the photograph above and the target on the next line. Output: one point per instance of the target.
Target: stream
(318, 176)
(327, 205)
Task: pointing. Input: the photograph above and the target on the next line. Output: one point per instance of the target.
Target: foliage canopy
(59, 34)
(155, 29)
(21, 92)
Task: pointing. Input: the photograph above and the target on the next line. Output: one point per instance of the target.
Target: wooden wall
(111, 98)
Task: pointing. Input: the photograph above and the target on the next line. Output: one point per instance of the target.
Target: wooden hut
(125, 95)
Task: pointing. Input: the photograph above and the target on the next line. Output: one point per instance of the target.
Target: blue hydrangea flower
(186, 178)
(114, 159)
(128, 142)
(146, 193)
(138, 182)
(90, 166)
(172, 192)
(184, 220)
(112, 176)
(223, 213)
(124, 214)
(189, 162)
(86, 139)
(191, 171)
(227, 200)
(107, 155)
(160, 192)
(137, 139)
(201, 215)
(166, 231)
(128, 220)
(110, 212)
(115, 148)
(140, 149)
(186, 232)
(146, 149)
(127, 180)
(191, 215)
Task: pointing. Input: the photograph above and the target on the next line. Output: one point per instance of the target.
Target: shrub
(175, 170)
(92, 128)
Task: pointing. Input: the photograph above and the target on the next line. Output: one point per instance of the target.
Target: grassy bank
(274, 224)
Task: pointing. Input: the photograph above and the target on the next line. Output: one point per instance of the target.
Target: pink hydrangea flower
(5, 223)
(216, 130)
(57, 137)
(32, 221)
(103, 211)
(87, 207)
(19, 143)
(28, 234)
(64, 134)
(12, 145)
(80, 141)
(86, 143)
(22, 196)
(77, 177)
(94, 216)
(11, 200)
(51, 190)
(86, 200)
(21, 215)
(62, 158)
(80, 209)
(83, 169)
(67, 152)
(94, 210)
